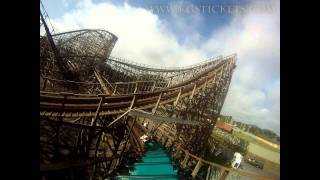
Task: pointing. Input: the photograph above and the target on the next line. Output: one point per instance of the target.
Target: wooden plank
(103, 86)
(177, 99)
(193, 91)
(157, 104)
(196, 169)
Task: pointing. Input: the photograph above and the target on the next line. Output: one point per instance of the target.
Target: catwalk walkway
(155, 164)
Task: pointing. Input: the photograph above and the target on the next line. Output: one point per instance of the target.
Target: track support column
(196, 169)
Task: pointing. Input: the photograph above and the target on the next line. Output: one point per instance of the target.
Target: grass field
(251, 139)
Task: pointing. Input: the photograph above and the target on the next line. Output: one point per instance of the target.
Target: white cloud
(254, 93)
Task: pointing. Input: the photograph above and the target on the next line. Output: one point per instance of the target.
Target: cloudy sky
(180, 33)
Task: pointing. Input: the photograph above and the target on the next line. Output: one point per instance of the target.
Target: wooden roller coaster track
(90, 103)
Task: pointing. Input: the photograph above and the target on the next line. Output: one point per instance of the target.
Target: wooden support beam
(154, 85)
(103, 86)
(122, 115)
(176, 101)
(114, 164)
(94, 119)
(208, 173)
(185, 160)
(128, 137)
(196, 169)
(157, 104)
(136, 134)
(136, 88)
(194, 89)
(176, 153)
(205, 84)
(115, 89)
(107, 82)
(169, 83)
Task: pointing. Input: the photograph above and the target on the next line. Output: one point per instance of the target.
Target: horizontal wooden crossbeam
(154, 117)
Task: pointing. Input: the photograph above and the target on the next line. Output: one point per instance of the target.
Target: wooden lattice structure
(86, 99)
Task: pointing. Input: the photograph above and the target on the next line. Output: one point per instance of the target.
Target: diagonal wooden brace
(94, 119)
(196, 169)
(157, 104)
(176, 101)
(194, 89)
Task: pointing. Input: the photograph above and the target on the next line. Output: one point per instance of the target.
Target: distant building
(224, 126)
